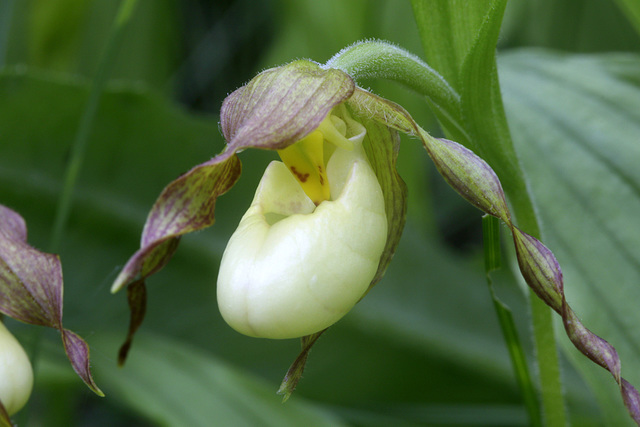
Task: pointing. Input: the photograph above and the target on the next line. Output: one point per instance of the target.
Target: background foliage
(424, 347)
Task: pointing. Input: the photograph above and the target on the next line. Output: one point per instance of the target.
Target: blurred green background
(424, 347)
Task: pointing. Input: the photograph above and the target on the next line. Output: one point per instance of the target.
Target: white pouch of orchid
(292, 268)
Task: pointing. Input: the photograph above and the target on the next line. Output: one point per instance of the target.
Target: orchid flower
(306, 250)
(324, 224)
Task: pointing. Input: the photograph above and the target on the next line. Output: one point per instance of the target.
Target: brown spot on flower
(302, 177)
(320, 175)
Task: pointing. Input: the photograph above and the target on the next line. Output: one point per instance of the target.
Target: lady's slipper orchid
(323, 225)
(293, 268)
(309, 247)
(15, 371)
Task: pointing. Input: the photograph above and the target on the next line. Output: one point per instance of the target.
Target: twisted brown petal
(31, 290)
(186, 205)
(542, 273)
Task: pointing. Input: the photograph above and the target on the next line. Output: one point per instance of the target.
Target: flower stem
(377, 59)
(491, 238)
(79, 147)
(548, 362)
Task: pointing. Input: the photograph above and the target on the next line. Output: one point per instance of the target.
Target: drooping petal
(186, 205)
(631, 399)
(371, 106)
(382, 145)
(539, 268)
(31, 289)
(295, 371)
(137, 298)
(470, 176)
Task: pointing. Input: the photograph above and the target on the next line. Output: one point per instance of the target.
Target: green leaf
(175, 384)
(631, 9)
(68, 35)
(575, 123)
(116, 35)
(448, 30)
(572, 25)
(484, 114)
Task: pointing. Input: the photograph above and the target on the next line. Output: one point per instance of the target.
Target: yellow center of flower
(306, 158)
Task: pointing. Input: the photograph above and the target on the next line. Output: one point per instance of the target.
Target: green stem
(631, 9)
(491, 238)
(79, 147)
(78, 150)
(548, 362)
(380, 60)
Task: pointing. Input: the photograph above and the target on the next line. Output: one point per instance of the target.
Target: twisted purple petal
(31, 290)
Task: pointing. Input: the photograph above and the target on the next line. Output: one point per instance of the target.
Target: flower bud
(293, 268)
(16, 375)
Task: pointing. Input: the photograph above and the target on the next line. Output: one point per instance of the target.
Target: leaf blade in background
(455, 25)
(570, 26)
(196, 389)
(632, 11)
(576, 124)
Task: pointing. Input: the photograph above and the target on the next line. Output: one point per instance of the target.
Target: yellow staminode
(305, 159)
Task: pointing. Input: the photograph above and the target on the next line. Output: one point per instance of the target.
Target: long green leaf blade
(631, 9)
